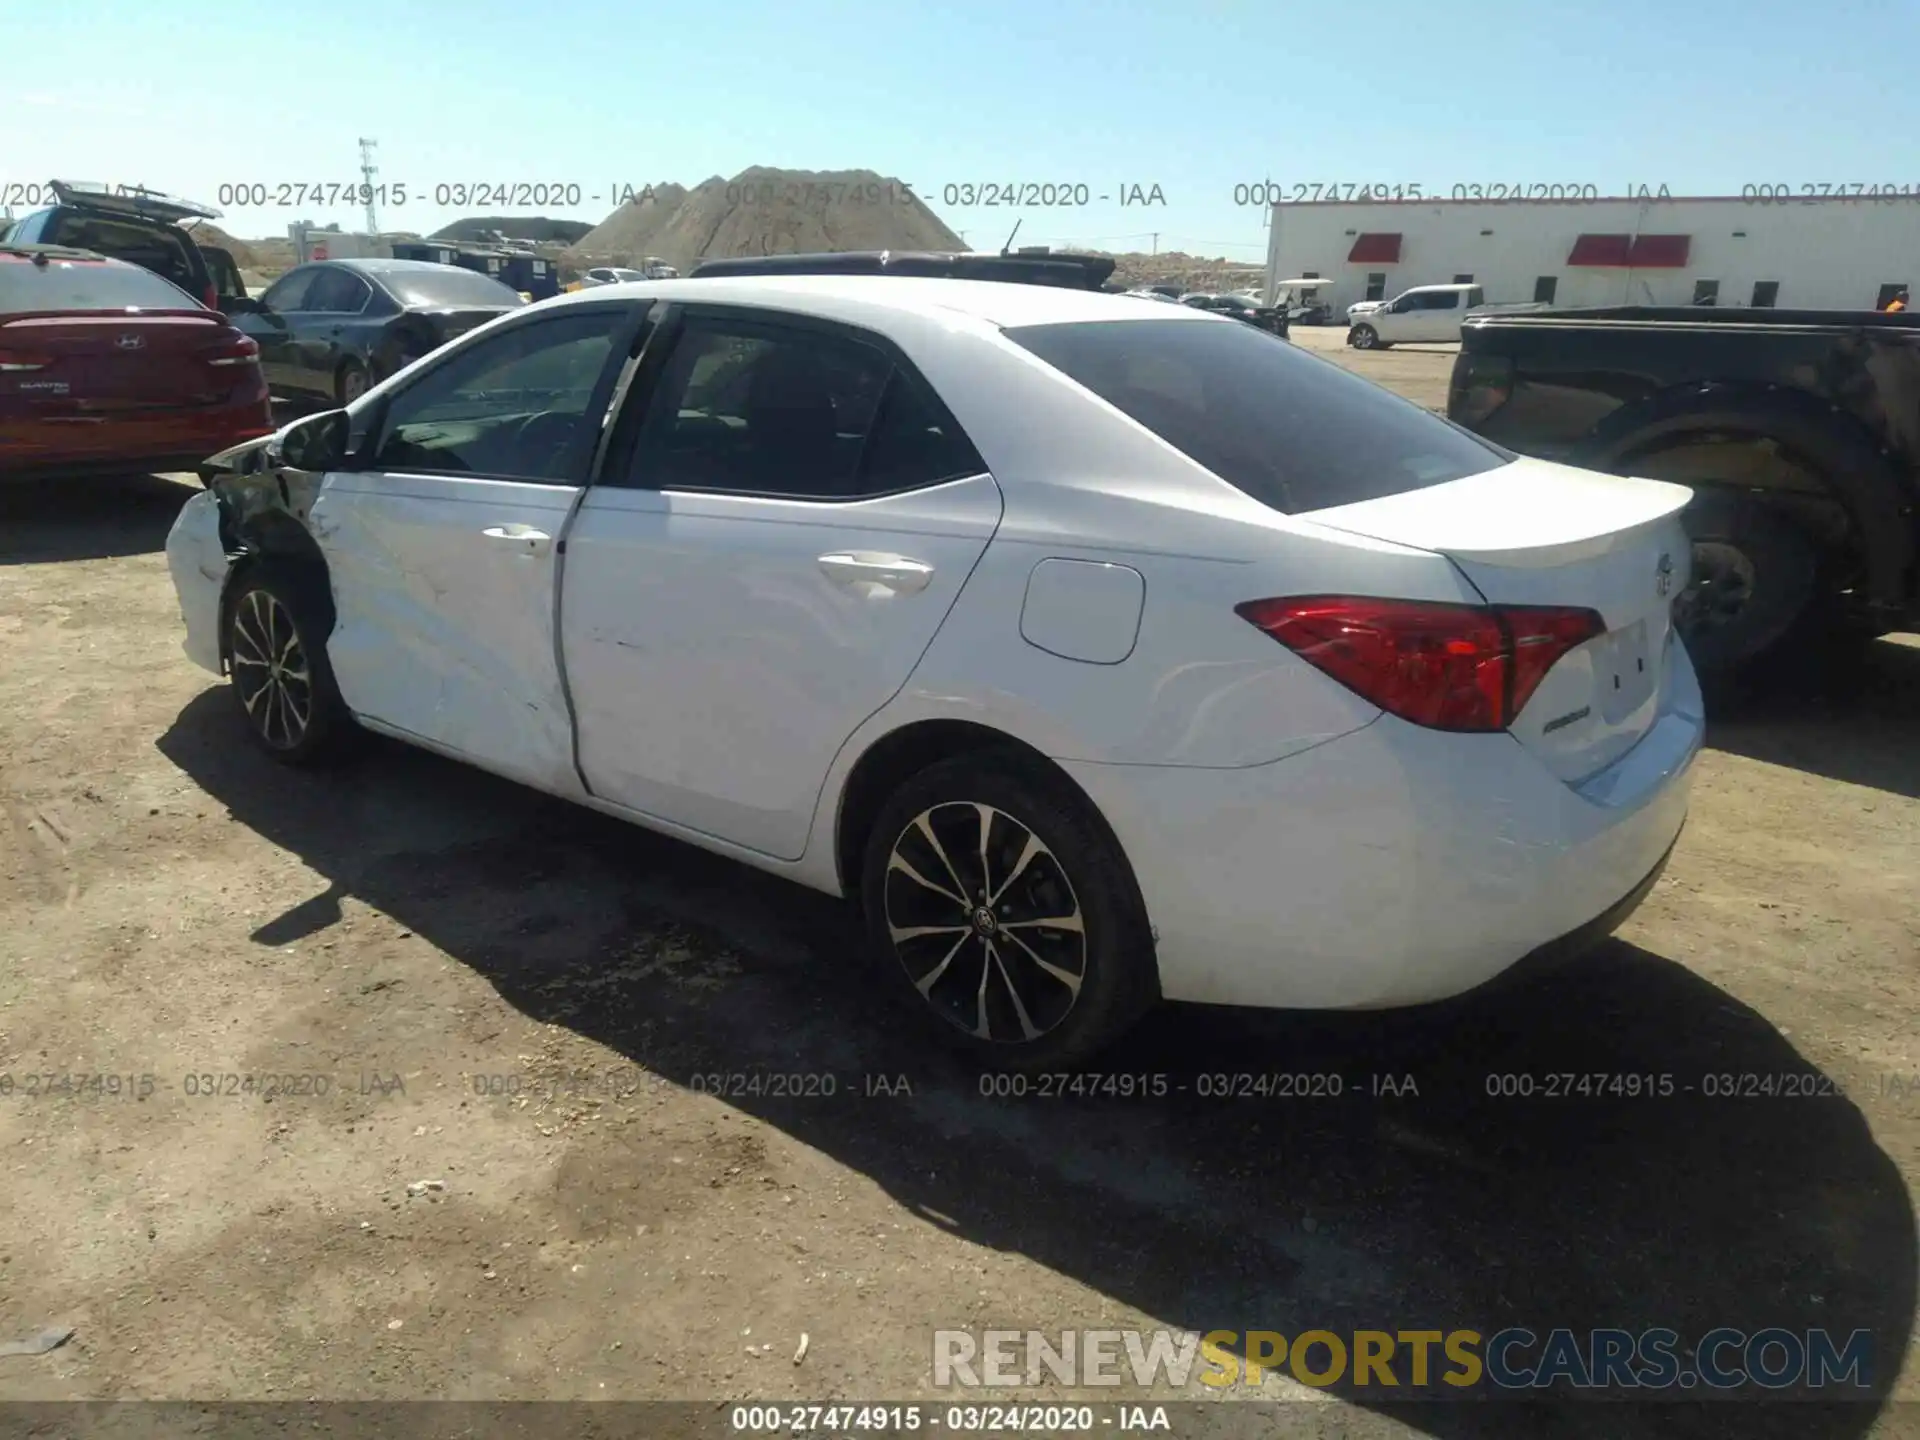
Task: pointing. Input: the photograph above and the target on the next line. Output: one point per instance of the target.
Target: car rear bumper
(172, 441)
(197, 560)
(1393, 865)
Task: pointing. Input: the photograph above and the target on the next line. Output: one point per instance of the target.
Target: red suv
(107, 368)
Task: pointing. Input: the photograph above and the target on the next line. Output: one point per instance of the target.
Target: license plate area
(1625, 671)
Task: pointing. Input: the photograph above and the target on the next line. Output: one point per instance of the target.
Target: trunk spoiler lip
(1642, 503)
(123, 315)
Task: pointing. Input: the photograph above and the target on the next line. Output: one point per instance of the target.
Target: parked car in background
(141, 226)
(1239, 307)
(1159, 295)
(1426, 314)
(1102, 652)
(1423, 315)
(107, 368)
(1799, 431)
(330, 330)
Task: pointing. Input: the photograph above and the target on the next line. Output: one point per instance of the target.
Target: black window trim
(580, 463)
(616, 461)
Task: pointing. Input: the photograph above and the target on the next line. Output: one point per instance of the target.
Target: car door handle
(523, 538)
(896, 572)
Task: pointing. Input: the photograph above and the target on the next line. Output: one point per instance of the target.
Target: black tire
(1755, 584)
(282, 684)
(1364, 337)
(349, 382)
(1035, 1017)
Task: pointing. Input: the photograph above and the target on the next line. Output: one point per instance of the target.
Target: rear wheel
(281, 679)
(1005, 915)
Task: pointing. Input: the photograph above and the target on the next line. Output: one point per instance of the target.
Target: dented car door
(442, 543)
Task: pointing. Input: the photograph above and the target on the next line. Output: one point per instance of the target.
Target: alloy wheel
(270, 670)
(1721, 587)
(985, 921)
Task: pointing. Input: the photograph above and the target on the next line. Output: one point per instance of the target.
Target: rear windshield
(86, 285)
(1294, 431)
(160, 248)
(448, 285)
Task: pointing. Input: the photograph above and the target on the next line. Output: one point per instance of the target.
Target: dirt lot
(533, 1005)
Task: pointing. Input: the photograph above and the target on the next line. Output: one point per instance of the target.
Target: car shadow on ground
(1444, 1204)
(1855, 718)
(42, 521)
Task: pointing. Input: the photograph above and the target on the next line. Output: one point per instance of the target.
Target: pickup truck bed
(1799, 431)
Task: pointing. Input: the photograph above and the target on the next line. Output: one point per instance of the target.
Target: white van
(1424, 314)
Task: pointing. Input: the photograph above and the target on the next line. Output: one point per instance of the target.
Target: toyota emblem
(132, 342)
(1663, 575)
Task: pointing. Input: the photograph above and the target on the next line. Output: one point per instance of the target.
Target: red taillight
(1447, 667)
(239, 350)
(212, 297)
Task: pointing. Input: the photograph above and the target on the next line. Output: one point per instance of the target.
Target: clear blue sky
(1197, 97)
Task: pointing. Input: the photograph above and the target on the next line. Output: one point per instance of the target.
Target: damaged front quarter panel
(264, 517)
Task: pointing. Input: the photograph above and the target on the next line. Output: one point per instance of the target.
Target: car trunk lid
(81, 365)
(1533, 533)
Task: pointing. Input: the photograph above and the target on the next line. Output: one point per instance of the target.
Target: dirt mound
(625, 236)
(763, 211)
(207, 233)
(515, 227)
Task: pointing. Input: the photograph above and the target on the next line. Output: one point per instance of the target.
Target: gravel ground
(535, 1006)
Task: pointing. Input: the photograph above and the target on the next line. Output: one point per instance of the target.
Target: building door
(1377, 287)
(1544, 287)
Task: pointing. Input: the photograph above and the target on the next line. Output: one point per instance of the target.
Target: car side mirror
(241, 305)
(316, 443)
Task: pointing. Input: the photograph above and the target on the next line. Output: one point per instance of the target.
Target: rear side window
(159, 248)
(1294, 431)
(914, 442)
(766, 409)
(86, 285)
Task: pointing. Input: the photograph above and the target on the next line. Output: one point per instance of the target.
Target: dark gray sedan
(330, 329)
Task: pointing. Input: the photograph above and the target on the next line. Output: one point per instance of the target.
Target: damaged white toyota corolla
(1104, 652)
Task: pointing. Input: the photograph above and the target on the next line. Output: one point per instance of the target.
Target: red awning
(1375, 250)
(1659, 252)
(1632, 252)
(1601, 250)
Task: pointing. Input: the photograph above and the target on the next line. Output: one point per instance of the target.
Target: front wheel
(282, 682)
(1005, 915)
(1364, 337)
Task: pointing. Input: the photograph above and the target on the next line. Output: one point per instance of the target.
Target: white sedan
(1103, 652)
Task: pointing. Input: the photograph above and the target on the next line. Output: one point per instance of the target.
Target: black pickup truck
(1799, 431)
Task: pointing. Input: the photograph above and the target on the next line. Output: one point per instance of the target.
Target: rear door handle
(896, 572)
(524, 539)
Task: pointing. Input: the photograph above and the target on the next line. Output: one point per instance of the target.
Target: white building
(1846, 254)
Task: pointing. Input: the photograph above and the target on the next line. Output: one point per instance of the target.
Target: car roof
(382, 265)
(1072, 268)
(869, 299)
(1461, 285)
